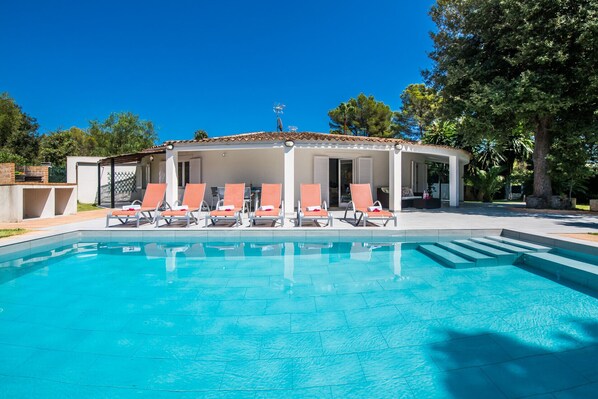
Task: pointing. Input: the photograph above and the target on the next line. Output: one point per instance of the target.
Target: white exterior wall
(304, 165)
(22, 201)
(83, 171)
(251, 166)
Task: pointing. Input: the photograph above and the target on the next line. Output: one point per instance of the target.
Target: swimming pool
(289, 318)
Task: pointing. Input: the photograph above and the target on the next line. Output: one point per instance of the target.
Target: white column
(461, 184)
(395, 179)
(454, 181)
(172, 181)
(289, 179)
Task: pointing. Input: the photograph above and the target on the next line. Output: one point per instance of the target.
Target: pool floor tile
(327, 370)
(412, 333)
(60, 366)
(111, 343)
(584, 391)
(11, 357)
(291, 305)
(385, 365)
(306, 393)
(340, 302)
(168, 347)
(267, 324)
(229, 347)
(352, 340)
(295, 345)
(258, 374)
(468, 351)
(393, 388)
(318, 321)
(469, 383)
(534, 375)
(374, 316)
(583, 361)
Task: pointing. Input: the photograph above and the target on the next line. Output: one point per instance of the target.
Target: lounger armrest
(324, 205)
(203, 205)
(378, 203)
(351, 206)
(136, 202)
(282, 206)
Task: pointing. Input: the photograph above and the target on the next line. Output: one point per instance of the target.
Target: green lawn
(86, 207)
(11, 232)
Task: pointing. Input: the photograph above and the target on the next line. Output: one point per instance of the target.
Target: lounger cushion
(174, 213)
(271, 213)
(223, 213)
(321, 213)
(407, 192)
(380, 214)
(124, 213)
(119, 212)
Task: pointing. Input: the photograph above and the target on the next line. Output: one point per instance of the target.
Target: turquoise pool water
(286, 320)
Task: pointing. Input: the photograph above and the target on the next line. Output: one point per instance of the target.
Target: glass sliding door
(345, 178)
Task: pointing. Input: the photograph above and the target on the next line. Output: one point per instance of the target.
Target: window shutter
(321, 175)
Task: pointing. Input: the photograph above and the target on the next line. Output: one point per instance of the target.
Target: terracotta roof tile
(296, 136)
(301, 137)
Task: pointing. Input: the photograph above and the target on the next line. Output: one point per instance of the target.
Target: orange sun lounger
(152, 201)
(231, 206)
(310, 206)
(193, 200)
(363, 205)
(271, 206)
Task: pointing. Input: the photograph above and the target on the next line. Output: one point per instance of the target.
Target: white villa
(332, 160)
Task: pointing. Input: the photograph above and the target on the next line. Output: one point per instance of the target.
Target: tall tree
(18, 131)
(122, 133)
(200, 134)
(361, 116)
(501, 63)
(419, 110)
(56, 146)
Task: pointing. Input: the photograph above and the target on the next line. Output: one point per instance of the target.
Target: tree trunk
(542, 183)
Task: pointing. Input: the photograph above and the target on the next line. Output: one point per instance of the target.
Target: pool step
(562, 267)
(445, 257)
(502, 246)
(479, 259)
(518, 243)
(502, 257)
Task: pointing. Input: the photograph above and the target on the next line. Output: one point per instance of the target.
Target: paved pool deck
(557, 224)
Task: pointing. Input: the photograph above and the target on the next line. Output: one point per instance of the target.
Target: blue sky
(213, 65)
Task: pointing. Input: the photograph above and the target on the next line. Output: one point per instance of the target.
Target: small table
(431, 203)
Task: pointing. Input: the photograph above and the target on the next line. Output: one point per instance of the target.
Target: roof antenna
(278, 108)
